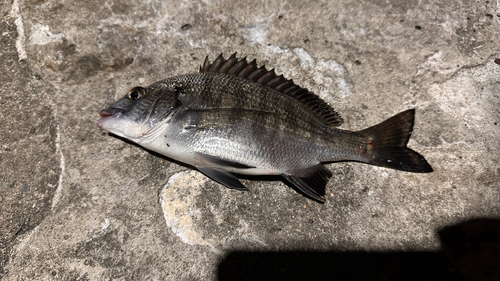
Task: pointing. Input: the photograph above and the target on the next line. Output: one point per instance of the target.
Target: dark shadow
(470, 251)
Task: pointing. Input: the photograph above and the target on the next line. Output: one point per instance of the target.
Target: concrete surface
(78, 204)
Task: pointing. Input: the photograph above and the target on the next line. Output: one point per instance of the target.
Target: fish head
(142, 113)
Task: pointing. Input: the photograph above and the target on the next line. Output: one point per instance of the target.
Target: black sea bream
(234, 117)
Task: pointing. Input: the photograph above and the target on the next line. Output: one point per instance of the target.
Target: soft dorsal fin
(250, 71)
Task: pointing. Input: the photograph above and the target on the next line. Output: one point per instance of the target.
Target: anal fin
(311, 181)
(225, 178)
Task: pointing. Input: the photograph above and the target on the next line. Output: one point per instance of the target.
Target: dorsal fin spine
(276, 81)
(292, 89)
(206, 65)
(256, 74)
(267, 77)
(217, 64)
(284, 86)
(231, 61)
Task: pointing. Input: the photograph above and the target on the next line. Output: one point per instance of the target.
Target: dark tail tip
(387, 145)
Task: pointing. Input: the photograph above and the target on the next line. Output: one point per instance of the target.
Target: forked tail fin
(387, 145)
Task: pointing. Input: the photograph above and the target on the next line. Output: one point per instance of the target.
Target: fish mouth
(107, 114)
(110, 111)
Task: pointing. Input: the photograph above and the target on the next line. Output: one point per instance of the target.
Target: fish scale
(237, 118)
(274, 146)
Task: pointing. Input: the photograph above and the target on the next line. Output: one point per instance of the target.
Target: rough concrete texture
(79, 204)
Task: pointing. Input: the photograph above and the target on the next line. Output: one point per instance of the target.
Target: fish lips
(108, 114)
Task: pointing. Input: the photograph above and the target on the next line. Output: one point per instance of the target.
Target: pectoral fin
(225, 178)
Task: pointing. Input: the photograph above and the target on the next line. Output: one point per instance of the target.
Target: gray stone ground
(78, 204)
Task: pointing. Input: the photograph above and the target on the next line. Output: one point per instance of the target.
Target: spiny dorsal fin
(250, 71)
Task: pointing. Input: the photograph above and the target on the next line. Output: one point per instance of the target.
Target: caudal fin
(387, 145)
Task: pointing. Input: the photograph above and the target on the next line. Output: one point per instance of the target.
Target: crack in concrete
(484, 62)
(62, 165)
(448, 77)
(18, 20)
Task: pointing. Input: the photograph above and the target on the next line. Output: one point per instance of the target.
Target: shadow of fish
(234, 117)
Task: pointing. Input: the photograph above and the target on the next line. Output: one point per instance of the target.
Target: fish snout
(109, 112)
(107, 116)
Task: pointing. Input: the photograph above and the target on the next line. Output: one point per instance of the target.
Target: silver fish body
(235, 117)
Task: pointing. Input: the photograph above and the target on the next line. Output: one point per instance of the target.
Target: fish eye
(136, 93)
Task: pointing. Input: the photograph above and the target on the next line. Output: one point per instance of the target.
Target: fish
(236, 118)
